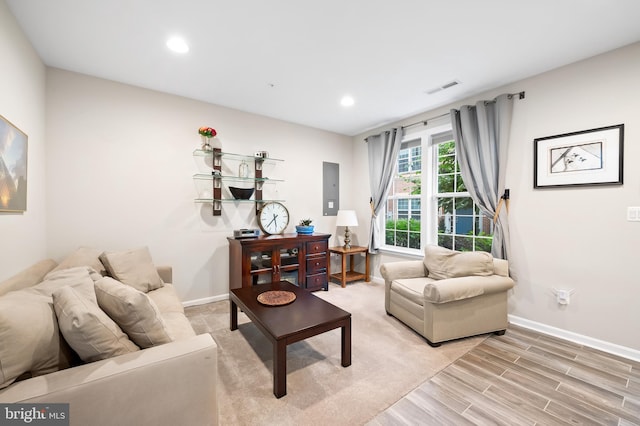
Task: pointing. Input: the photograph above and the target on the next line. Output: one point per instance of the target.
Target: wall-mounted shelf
(230, 155)
(217, 178)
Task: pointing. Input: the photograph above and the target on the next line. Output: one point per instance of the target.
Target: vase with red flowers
(206, 133)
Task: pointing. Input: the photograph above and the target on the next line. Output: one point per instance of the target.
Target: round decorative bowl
(241, 193)
(301, 229)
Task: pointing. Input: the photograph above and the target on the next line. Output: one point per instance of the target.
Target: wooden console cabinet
(302, 260)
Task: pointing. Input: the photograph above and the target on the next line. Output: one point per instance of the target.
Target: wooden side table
(345, 275)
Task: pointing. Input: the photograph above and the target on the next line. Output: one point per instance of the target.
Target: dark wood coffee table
(306, 316)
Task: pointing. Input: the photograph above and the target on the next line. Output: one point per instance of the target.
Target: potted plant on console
(304, 227)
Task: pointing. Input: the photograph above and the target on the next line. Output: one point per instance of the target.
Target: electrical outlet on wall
(633, 214)
(563, 296)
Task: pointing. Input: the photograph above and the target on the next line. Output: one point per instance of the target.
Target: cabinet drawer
(316, 264)
(316, 282)
(315, 247)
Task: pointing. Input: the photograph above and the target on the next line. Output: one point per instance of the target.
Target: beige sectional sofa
(449, 294)
(106, 333)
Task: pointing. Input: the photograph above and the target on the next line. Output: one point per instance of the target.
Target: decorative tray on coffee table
(276, 297)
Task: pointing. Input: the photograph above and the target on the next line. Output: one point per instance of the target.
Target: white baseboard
(611, 348)
(204, 300)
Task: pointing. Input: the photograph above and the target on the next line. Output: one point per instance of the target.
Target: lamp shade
(347, 218)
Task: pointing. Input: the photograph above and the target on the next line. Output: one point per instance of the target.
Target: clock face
(273, 218)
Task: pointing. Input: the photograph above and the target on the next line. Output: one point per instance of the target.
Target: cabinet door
(289, 269)
(279, 263)
(262, 269)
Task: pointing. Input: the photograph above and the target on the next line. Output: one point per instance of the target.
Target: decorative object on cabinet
(347, 218)
(246, 233)
(305, 226)
(13, 168)
(241, 193)
(299, 259)
(217, 179)
(206, 133)
(587, 157)
(273, 218)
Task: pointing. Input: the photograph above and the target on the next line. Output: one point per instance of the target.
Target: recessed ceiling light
(347, 101)
(178, 45)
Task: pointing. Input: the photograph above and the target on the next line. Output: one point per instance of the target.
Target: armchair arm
(451, 289)
(404, 269)
(398, 270)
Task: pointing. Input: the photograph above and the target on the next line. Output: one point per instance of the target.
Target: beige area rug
(388, 361)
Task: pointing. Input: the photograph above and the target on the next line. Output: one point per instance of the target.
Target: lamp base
(347, 238)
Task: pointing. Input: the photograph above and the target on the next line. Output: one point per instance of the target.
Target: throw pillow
(83, 256)
(29, 338)
(87, 329)
(443, 263)
(81, 278)
(133, 311)
(133, 267)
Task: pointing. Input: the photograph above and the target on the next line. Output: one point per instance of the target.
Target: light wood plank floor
(525, 378)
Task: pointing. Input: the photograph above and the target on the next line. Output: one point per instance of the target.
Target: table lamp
(347, 218)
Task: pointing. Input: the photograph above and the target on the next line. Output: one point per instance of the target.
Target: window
(461, 224)
(403, 211)
(428, 202)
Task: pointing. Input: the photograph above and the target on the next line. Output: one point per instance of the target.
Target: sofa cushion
(133, 311)
(83, 256)
(167, 300)
(28, 322)
(411, 288)
(87, 329)
(81, 278)
(133, 267)
(443, 263)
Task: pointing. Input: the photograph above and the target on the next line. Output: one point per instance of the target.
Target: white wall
(120, 169)
(22, 92)
(569, 238)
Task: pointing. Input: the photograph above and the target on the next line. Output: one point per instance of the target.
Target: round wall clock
(273, 218)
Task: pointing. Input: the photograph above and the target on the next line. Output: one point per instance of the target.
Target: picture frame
(583, 158)
(13, 167)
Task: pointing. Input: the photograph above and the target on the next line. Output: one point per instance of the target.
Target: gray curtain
(383, 153)
(481, 134)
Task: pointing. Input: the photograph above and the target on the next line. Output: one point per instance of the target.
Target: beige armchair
(449, 294)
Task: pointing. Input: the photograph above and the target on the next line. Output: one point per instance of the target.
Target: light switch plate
(633, 214)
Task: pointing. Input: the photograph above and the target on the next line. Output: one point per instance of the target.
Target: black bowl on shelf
(241, 193)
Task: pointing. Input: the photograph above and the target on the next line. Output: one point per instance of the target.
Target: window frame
(430, 138)
(428, 198)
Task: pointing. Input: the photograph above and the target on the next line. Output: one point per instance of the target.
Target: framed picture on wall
(587, 157)
(13, 168)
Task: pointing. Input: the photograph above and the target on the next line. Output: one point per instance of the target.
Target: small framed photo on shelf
(587, 157)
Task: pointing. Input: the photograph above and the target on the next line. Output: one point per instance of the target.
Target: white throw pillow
(133, 267)
(443, 263)
(29, 338)
(82, 256)
(87, 329)
(133, 311)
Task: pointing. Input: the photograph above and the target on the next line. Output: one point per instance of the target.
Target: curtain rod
(425, 121)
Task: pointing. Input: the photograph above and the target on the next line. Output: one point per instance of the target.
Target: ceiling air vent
(444, 86)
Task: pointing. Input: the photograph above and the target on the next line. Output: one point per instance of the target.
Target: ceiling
(294, 60)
